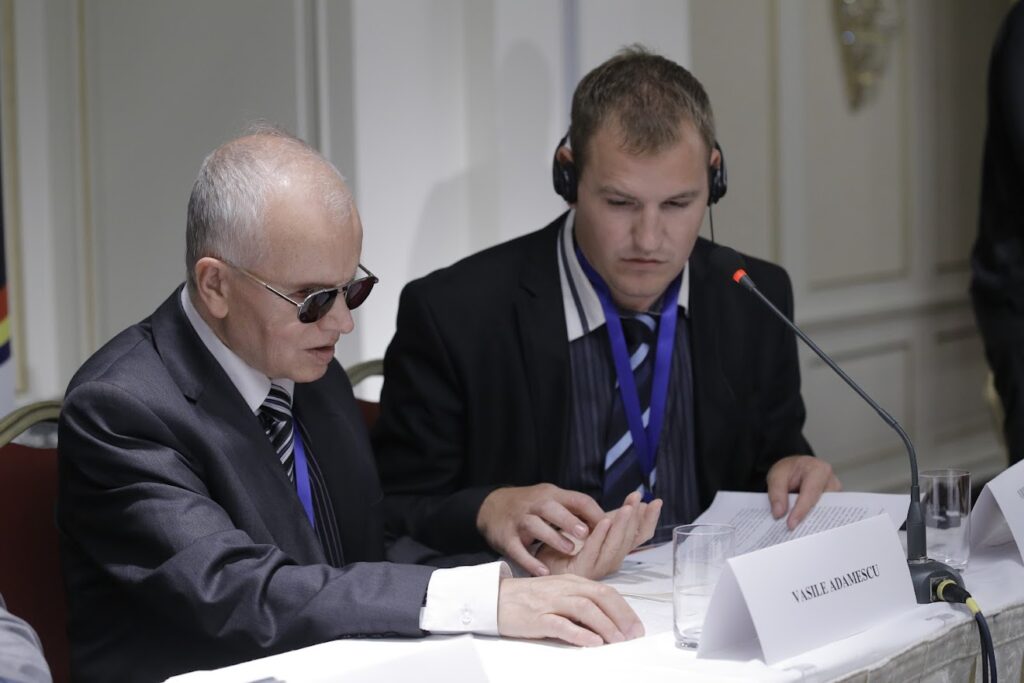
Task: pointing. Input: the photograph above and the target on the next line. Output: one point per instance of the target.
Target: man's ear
(716, 158)
(564, 155)
(213, 286)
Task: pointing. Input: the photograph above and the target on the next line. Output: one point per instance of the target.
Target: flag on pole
(6, 363)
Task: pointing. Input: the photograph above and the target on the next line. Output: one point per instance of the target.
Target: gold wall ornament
(866, 29)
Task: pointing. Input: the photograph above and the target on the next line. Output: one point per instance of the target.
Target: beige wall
(871, 211)
(444, 113)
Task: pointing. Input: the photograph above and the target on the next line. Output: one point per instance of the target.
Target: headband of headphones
(565, 178)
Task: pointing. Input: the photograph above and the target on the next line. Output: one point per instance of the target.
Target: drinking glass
(699, 552)
(946, 505)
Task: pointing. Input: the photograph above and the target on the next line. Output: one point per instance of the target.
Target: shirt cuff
(464, 599)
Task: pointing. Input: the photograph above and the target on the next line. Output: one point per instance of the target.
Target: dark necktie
(622, 471)
(276, 417)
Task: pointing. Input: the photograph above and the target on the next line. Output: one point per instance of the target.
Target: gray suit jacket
(21, 653)
(183, 543)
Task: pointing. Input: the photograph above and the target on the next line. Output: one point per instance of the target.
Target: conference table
(937, 642)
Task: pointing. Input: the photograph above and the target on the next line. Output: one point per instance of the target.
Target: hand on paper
(615, 536)
(805, 474)
(512, 518)
(569, 608)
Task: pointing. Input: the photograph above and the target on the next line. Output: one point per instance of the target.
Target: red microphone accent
(739, 275)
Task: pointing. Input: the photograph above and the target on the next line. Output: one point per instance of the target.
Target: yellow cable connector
(943, 585)
(949, 590)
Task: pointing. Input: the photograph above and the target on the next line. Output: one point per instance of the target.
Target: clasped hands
(563, 606)
(574, 609)
(513, 518)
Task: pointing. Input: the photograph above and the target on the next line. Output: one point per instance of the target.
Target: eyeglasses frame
(339, 289)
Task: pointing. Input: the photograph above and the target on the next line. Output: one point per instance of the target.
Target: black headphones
(565, 180)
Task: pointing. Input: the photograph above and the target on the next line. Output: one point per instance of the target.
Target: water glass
(699, 552)
(946, 505)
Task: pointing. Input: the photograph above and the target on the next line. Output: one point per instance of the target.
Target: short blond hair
(646, 96)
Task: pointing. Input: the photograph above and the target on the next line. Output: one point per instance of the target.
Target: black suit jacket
(184, 544)
(477, 385)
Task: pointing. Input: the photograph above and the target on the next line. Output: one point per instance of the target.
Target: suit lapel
(713, 394)
(341, 446)
(230, 429)
(540, 323)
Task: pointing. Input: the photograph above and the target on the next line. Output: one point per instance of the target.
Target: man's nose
(647, 229)
(339, 318)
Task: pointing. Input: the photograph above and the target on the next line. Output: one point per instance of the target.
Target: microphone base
(926, 573)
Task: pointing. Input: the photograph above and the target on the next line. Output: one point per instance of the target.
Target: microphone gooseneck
(925, 573)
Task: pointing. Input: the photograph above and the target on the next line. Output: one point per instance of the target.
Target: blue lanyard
(645, 441)
(302, 475)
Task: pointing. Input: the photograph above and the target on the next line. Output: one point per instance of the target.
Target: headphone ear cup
(563, 175)
(718, 178)
(715, 190)
(568, 181)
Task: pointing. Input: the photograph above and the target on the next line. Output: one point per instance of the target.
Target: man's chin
(309, 373)
(638, 298)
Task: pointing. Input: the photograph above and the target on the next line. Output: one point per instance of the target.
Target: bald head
(240, 179)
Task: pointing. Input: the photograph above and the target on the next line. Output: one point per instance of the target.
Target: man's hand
(512, 518)
(609, 542)
(566, 607)
(804, 473)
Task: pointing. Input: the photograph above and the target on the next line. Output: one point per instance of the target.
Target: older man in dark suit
(218, 498)
(532, 385)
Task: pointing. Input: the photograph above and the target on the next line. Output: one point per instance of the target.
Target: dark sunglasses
(317, 304)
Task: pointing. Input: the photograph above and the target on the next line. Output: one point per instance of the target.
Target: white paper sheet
(647, 574)
(750, 513)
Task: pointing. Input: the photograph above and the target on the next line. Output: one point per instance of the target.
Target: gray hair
(227, 206)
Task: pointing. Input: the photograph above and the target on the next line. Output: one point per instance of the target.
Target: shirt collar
(583, 312)
(252, 384)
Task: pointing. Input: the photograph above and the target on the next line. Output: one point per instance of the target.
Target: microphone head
(728, 261)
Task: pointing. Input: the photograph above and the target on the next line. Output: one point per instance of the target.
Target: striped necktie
(622, 471)
(276, 418)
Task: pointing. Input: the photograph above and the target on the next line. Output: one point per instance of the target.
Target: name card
(783, 600)
(998, 516)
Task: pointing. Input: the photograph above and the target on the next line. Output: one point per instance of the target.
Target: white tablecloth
(932, 643)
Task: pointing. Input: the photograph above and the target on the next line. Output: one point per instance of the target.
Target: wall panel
(875, 214)
(165, 83)
(854, 164)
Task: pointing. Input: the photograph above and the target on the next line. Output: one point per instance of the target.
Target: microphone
(925, 573)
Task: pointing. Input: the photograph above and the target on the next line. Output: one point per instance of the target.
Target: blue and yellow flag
(6, 364)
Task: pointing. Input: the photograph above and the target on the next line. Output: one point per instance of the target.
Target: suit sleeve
(997, 263)
(420, 439)
(1007, 85)
(139, 510)
(782, 412)
(21, 655)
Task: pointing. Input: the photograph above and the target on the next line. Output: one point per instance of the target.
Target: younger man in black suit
(510, 409)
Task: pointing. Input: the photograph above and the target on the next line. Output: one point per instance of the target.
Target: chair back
(30, 576)
(356, 374)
